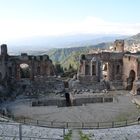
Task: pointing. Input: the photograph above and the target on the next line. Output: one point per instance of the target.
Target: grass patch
(122, 117)
(132, 115)
(68, 135)
(83, 136)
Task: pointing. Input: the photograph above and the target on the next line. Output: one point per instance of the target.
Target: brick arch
(29, 63)
(130, 79)
(25, 70)
(39, 66)
(138, 91)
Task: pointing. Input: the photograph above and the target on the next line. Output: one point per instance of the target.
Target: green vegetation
(68, 135)
(83, 136)
(125, 116)
(58, 68)
(67, 56)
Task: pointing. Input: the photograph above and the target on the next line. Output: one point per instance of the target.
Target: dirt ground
(120, 109)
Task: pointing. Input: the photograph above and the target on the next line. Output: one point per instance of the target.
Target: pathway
(75, 134)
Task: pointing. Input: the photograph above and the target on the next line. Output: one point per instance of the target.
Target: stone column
(101, 71)
(32, 71)
(18, 72)
(97, 68)
(91, 68)
(84, 68)
(110, 71)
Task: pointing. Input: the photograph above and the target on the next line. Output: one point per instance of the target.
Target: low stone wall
(87, 78)
(88, 100)
(75, 101)
(96, 86)
(50, 102)
(118, 85)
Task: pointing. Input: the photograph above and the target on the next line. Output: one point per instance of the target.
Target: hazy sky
(26, 18)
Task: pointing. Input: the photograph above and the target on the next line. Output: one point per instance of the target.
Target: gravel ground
(121, 109)
(12, 130)
(122, 133)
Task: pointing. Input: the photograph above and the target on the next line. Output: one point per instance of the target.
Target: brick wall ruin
(117, 67)
(10, 66)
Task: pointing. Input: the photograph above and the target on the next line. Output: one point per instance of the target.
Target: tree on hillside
(70, 67)
(65, 69)
(58, 68)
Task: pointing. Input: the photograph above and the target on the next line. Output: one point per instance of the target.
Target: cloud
(97, 25)
(14, 29)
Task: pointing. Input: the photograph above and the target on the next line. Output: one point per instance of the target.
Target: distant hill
(67, 56)
(69, 48)
(135, 39)
(43, 43)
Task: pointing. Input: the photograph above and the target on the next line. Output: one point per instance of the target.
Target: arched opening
(24, 70)
(138, 91)
(68, 100)
(130, 80)
(93, 69)
(83, 57)
(38, 70)
(87, 70)
(10, 71)
(105, 70)
(118, 69)
(66, 84)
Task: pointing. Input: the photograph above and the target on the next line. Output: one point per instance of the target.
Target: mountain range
(43, 43)
(66, 49)
(67, 56)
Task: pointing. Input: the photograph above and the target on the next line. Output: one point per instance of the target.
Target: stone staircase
(75, 134)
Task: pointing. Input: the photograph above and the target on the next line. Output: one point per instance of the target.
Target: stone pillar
(91, 68)
(84, 68)
(138, 71)
(110, 71)
(18, 72)
(98, 70)
(97, 65)
(101, 71)
(32, 71)
(4, 50)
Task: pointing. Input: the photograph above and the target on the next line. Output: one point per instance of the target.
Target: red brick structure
(118, 67)
(10, 66)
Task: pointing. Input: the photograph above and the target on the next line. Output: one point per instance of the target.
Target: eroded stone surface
(120, 69)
